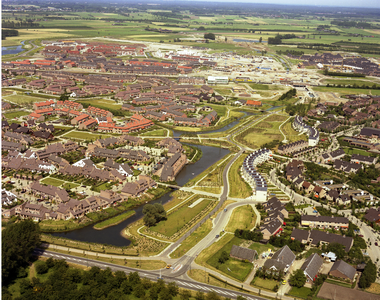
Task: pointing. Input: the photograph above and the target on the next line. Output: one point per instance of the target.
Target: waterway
(12, 49)
(112, 235)
(177, 133)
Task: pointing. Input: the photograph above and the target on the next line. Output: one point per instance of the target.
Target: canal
(112, 235)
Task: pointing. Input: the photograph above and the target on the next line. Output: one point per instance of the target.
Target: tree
(185, 295)
(212, 296)
(173, 289)
(223, 257)
(209, 36)
(41, 267)
(18, 242)
(260, 39)
(153, 213)
(199, 296)
(297, 279)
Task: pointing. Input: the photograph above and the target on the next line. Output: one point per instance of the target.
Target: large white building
(217, 80)
(252, 176)
(313, 133)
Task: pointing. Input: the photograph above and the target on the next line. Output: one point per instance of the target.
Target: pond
(12, 49)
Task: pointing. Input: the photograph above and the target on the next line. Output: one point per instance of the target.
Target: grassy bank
(237, 186)
(115, 220)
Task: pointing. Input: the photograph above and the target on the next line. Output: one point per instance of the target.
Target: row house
(312, 133)
(45, 104)
(324, 222)
(331, 156)
(172, 167)
(90, 123)
(348, 167)
(292, 147)
(49, 192)
(137, 188)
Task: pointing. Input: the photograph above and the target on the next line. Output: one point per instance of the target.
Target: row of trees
(64, 282)
(153, 214)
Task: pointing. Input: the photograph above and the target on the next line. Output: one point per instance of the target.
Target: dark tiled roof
(344, 268)
(312, 265)
(243, 253)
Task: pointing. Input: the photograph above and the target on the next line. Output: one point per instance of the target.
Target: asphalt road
(152, 275)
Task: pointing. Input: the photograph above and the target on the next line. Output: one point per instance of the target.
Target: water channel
(12, 49)
(112, 236)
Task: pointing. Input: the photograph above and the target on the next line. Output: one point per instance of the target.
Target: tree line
(8, 32)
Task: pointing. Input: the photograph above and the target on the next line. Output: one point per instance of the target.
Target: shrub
(41, 267)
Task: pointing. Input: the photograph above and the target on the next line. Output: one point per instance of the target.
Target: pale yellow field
(25, 34)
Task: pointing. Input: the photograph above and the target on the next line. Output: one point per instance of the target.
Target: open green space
(238, 188)
(351, 81)
(52, 181)
(158, 132)
(260, 248)
(351, 151)
(302, 292)
(102, 103)
(346, 91)
(232, 267)
(69, 185)
(176, 220)
(82, 135)
(267, 284)
(263, 132)
(23, 99)
(243, 217)
(15, 114)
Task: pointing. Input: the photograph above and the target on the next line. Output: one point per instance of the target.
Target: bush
(41, 267)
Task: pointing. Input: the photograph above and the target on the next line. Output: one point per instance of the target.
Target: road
(153, 275)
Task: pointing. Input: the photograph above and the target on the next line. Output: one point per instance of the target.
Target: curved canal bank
(112, 235)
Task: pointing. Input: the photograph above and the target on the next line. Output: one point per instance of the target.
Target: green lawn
(158, 132)
(232, 267)
(260, 248)
(267, 284)
(23, 99)
(70, 185)
(346, 91)
(15, 114)
(85, 135)
(302, 292)
(102, 103)
(176, 220)
(52, 181)
(237, 186)
(356, 151)
(243, 217)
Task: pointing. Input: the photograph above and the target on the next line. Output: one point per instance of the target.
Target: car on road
(376, 244)
(168, 266)
(217, 236)
(361, 235)
(283, 282)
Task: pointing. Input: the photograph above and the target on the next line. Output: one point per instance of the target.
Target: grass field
(85, 135)
(158, 132)
(302, 292)
(356, 151)
(23, 99)
(267, 284)
(15, 114)
(101, 103)
(336, 80)
(260, 248)
(70, 185)
(374, 288)
(176, 220)
(291, 134)
(242, 217)
(263, 132)
(345, 91)
(52, 181)
(232, 267)
(237, 186)
(193, 239)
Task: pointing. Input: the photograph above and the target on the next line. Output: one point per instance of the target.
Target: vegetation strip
(115, 220)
